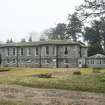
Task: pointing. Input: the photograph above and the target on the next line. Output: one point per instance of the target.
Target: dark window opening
(8, 61)
(47, 50)
(14, 60)
(14, 51)
(36, 51)
(8, 50)
(22, 51)
(29, 51)
(66, 51)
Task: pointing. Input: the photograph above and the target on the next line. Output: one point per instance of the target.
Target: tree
(74, 26)
(42, 38)
(60, 30)
(11, 41)
(57, 32)
(7, 41)
(30, 39)
(93, 36)
(92, 8)
(50, 33)
(102, 27)
(23, 40)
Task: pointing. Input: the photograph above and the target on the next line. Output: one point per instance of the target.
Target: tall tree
(57, 32)
(42, 38)
(93, 36)
(50, 33)
(74, 27)
(30, 39)
(92, 8)
(102, 27)
(23, 40)
(60, 31)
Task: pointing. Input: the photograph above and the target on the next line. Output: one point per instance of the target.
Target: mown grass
(4, 102)
(87, 81)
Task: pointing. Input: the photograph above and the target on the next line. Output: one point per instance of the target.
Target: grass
(4, 102)
(62, 79)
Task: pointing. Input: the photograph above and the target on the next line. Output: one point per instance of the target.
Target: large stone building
(42, 54)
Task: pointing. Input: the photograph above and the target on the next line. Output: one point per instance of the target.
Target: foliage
(23, 40)
(92, 8)
(93, 35)
(77, 73)
(74, 26)
(30, 39)
(47, 75)
(57, 32)
(96, 70)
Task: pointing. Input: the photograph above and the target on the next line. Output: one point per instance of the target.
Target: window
(87, 61)
(47, 50)
(47, 61)
(65, 60)
(29, 51)
(36, 51)
(92, 61)
(14, 60)
(66, 51)
(36, 61)
(21, 51)
(28, 60)
(8, 61)
(98, 61)
(8, 52)
(53, 52)
(14, 51)
(103, 61)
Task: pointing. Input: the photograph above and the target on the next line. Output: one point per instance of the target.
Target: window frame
(66, 50)
(47, 50)
(21, 51)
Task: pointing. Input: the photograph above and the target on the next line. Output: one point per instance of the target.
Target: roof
(37, 43)
(97, 56)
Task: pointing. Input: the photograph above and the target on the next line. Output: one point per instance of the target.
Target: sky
(19, 18)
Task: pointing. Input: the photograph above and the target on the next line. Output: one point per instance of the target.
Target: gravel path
(36, 96)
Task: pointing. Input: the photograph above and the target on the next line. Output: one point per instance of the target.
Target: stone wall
(56, 52)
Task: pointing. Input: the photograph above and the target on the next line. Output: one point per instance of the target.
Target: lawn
(89, 80)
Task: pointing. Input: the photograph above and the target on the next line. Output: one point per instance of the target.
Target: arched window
(66, 51)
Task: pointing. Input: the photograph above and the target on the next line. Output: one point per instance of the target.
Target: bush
(76, 73)
(4, 69)
(47, 75)
(96, 70)
(102, 79)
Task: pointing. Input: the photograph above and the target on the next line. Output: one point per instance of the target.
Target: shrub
(76, 73)
(47, 75)
(102, 79)
(96, 70)
(4, 69)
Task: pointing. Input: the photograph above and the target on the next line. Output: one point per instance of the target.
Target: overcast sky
(20, 17)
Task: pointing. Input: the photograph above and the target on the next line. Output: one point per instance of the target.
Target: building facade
(55, 53)
(96, 61)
